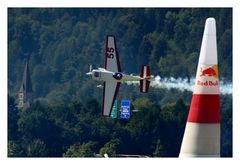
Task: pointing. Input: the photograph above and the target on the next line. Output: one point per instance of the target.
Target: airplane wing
(111, 60)
(110, 90)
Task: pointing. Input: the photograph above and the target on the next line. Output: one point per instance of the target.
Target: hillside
(59, 45)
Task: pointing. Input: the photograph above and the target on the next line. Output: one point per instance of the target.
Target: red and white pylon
(202, 133)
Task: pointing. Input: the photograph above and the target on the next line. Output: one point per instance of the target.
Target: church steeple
(25, 91)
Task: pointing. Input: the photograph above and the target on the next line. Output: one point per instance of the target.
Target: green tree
(111, 148)
(14, 150)
(158, 149)
(81, 150)
(37, 148)
(12, 119)
(35, 123)
(142, 103)
(60, 43)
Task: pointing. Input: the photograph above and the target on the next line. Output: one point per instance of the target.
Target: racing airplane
(112, 76)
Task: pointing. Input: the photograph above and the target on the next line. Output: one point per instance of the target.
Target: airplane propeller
(90, 70)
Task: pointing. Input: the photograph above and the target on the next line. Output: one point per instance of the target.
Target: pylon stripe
(204, 109)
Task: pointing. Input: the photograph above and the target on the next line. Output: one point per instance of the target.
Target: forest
(65, 118)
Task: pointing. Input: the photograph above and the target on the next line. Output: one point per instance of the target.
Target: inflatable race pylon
(202, 133)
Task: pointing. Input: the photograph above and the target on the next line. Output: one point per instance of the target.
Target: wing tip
(110, 35)
(114, 98)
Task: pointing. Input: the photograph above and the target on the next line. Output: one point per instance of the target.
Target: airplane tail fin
(146, 78)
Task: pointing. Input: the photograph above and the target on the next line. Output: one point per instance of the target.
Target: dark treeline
(61, 43)
(78, 130)
(65, 118)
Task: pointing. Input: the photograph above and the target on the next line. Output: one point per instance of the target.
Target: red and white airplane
(112, 76)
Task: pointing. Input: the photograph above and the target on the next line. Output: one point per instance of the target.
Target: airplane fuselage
(104, 75)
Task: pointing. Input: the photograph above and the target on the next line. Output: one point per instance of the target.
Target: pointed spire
(25, 91)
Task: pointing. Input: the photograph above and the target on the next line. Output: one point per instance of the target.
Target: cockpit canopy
(97, 74)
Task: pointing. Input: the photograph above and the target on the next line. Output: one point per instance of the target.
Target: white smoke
(169, 83)
(183, 84)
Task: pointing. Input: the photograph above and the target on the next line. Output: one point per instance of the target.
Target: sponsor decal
(207, 83)
(208, 76)
(211, 71)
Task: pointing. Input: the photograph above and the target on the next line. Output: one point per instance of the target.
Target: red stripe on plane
(204, 109)
(141, 85)
(148, 71)
(142, 70)
(103, 98)
(105, 55)
(147, 85)
(147, 82)
(141, 81)
(117, 58)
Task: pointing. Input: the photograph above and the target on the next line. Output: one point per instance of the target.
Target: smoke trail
(184, 84)
(169, 83)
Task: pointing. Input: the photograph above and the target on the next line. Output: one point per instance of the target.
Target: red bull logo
(210, 72)
(206, 72)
